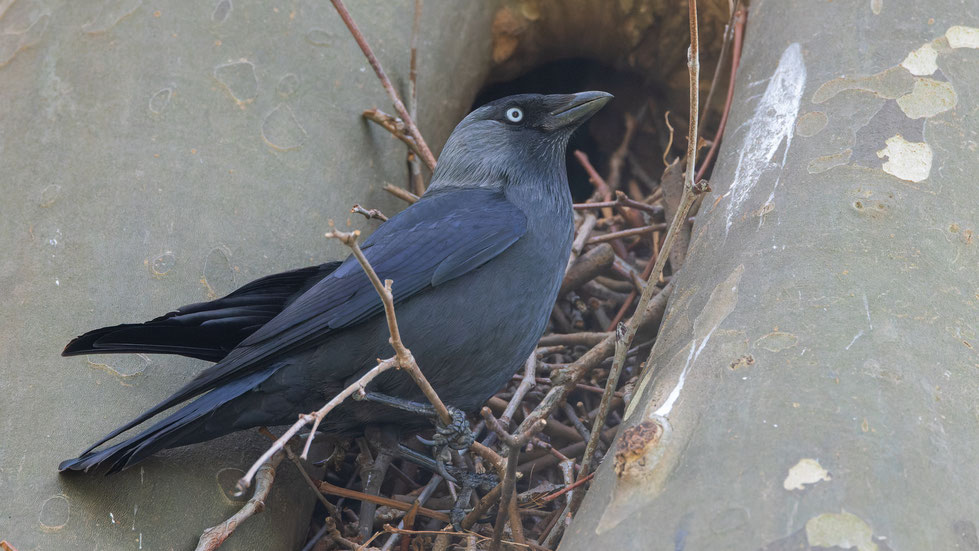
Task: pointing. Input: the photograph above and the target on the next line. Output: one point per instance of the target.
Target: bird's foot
(469, 481)
(456, 435)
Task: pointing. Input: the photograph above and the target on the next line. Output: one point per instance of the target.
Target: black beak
(576, 109)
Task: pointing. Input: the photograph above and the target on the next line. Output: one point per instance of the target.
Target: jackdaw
(476, 265)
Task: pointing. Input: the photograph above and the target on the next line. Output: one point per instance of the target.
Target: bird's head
(513, 138)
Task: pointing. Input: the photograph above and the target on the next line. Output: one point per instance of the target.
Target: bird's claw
(457, 435)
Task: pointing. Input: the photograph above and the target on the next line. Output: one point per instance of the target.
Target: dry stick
(584, 230)
(330, 508)
(399, 106)
(422, 498)
(402, 194)
(739, 18)
(526, 383)
(392, 124)
(573, 339)
(625, 233)
(369, 213)
(213, 537)
(586, 267)
(568, 488)
(333, 490)
(725, 43)
(417, 184)
(514, 443)
(615, 167)
(621, 200)
(306, 418)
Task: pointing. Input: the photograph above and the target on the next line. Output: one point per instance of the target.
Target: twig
(330, 489)
(392, 124)
(584, 230)
(330, 508)
(526, 383)
(514, 443)
(304, 419)
(569, 487)
(739, 19)
(402, 360)
(369, 213)
(213, 537)
(586, 267)
(402, 194)
(602, 189)
(669, 146)
(417, 184)
(573, 339)
(422, 498)
(399, 106)
(621, 348)
(621, 200)
(625, 233)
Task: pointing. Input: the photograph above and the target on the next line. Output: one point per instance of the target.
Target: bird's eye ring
(514, 114)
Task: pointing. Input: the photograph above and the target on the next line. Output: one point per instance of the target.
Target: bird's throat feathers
(532, 173)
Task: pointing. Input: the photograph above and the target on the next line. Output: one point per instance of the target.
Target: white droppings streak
(866, 307)
(664, 410)
(773, 122)
(855, 337)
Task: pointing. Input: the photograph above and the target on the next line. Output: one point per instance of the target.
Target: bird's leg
(384, 439)
(456, 435)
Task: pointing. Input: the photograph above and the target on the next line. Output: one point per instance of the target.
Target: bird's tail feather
(182, 427)
(147, 338)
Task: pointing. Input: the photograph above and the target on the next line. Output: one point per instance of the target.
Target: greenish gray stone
(825, 320)
(153, 155)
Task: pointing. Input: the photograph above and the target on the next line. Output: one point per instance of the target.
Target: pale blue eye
(514, 114)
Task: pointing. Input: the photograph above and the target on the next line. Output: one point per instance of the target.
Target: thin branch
(333, 490)
(569, 487)
(602, 189)
(213, 537)
(625, 233)
(621, 349)
(739, 20)
(369, 213)
(402, 194)
(417, 184)
(584, 230)
(306, 418)
(621, 200)
(392, 124)
(422, 498)
(399, 106)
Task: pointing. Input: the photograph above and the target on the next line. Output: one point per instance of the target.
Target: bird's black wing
(205, 330)
(440, 237)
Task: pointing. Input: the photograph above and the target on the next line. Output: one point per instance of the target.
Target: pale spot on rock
(806, 471)
(928, 98)
(906, 160)
(962, 37)
(921, 62)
